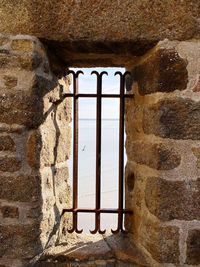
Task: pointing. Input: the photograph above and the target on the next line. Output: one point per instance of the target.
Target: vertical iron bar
(75, 145)
(98, 146)
(121, 155)
(98, 153)
(75, 151)
(121, 152)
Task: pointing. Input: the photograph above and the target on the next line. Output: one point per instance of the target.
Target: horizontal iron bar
(98, 210)
(95, 95)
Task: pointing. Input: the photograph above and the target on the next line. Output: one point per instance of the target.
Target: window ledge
(94, 250)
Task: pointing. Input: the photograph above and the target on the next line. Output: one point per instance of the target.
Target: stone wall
(102, 22)
(34, 145)
(92, 30)
(163, 149)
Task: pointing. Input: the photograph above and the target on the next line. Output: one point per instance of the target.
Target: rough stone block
(61, 183)
(196, 152)
(55, 144)
(124, 249)
(19, 241)
(175, 118)
(33, 149)
(10, 212)
(161, 242)
(35, 212)
(163, 71)
(28, 63)
(64, 111)
(156, 155)
(95, 248)
(193, 247)
(20, 188)
(135, 23)
(42, 86)
(10, 81)
(64, 144)
(22, 108)
(169, 200)
(4, 40)
(48, 150)
(7, 143)
(10, 164)
(24, 45)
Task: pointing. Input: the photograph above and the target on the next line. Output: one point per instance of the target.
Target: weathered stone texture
(193, 247)
(35, 212)
(169, 200)
(197, 87)
(24, 45)
(27, 86)
(64, 112)
(10, 164)
(7, 143)
(26, 108)
(110, 250)
(97, 30)
(165, 196)
(33, 148)
(126, 250)
(175, 118)
(155, 155)
(10, 81)
(20, 108)
(10, 212)
(61, 182)
(163, 71)
(9, 61)
(19, 241)
(99, 21)
(196, 152)
(130, 178)
(56, 142)
(161, 242)
(19, 188)
(57, 192)
(4, 40)
(42, 85)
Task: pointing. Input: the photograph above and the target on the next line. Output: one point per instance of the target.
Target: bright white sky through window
(87, 147)
(88, 84)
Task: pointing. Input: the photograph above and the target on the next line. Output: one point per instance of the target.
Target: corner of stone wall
(34, 146)
(163, 150)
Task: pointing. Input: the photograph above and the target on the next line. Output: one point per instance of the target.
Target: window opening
(100, 96)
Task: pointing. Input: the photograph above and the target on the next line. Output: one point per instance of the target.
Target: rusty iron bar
(98, 152)
(121, 153)
(93, 95)
(105, 210)
(75, 153)
(98, 210)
